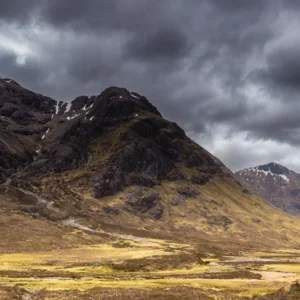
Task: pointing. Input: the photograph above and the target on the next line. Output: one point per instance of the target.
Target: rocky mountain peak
(116, 102)
(119, 134)
(113, 102)
(276, 183)
(7, 81)
(274, 168)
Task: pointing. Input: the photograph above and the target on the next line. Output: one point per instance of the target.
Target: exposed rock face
(146, 201)
(223, 221)
(275, 183)
(177, 200)
(103, 144)
(111, 210)
(23, 118)
(120, 135)
(188, 191)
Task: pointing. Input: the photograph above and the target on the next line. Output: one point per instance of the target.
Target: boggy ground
(128, 267)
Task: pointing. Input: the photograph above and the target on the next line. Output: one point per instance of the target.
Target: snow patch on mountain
(69, 104)
(57, 108)
(259, 173)
(45, 134)
(72, 117)
(284, 177)
(134, 96)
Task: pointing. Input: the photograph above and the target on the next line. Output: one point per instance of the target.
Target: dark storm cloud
(163, 44)
(18, 11)
(30, 73)
(201, 62)
(283, 67)
(101, 59)
(113, 15)
(280, 124)
(81, 15)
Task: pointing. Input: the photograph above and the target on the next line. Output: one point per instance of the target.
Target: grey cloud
(18, 11)
(240, 6)
(283, 128)
(163, 44)
(113, 15)
(193, 59)
(101, 59)
(244, 155)
(84, 14)
(28, 73)
(283, 67)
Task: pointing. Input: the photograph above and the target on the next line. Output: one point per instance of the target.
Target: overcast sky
(227, 71)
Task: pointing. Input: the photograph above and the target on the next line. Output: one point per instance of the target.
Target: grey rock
(188, 191)
(177, 200)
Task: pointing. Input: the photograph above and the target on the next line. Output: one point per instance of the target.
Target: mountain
(276, 183)
(103, 198)
(112, 163)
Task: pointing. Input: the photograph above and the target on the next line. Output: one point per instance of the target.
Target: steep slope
(276, 183)
(112, 163)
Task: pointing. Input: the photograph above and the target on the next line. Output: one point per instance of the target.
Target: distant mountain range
(276, 183)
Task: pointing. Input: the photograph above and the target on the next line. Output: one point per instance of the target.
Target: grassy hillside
(219, 211)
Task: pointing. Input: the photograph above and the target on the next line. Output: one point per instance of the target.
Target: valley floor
(129, 267)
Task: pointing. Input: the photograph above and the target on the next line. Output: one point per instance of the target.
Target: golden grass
(57, 259)
(84, 261)
(244, 287)
(251, 219)
(286, 268)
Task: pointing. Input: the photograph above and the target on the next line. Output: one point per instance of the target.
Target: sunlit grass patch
(289, 268)
(91, 270)
(269, 254)
(85, 268)
(245, 287)
(59, 259)
(210, 259)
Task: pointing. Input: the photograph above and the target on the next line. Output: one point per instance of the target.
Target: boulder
(188, 191)
(149, 202)
(177, 200)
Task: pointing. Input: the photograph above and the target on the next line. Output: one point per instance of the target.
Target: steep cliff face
(276, 183)
(23, 117)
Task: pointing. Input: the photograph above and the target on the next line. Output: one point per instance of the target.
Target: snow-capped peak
(272, 169)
